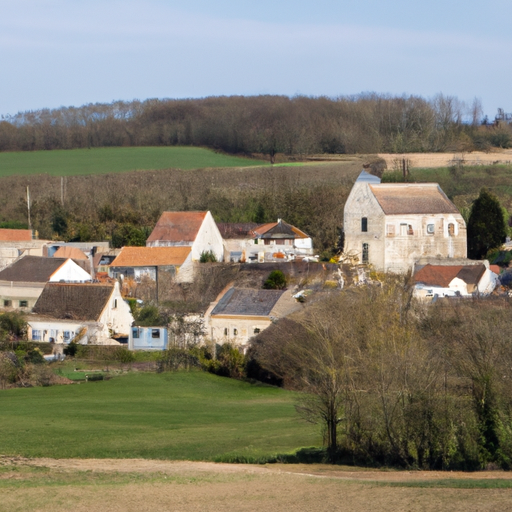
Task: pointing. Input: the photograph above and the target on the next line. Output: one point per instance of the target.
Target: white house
(392, 225)
(461, 280)
(196, 230)
(274, 241)
(23, 281)
(90, 313)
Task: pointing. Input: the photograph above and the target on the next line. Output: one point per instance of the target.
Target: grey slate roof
(73, 301)
(32, 269)
(245, 301)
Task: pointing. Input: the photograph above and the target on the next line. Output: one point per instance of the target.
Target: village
(86, 293)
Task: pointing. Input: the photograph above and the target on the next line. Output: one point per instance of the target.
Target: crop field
(109, 160)
(194, 416)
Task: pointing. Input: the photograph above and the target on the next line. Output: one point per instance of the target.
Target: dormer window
(364, 224)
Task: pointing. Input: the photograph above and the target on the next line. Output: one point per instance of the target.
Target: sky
(57, 53)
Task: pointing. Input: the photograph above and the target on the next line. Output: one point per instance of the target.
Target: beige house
(23, 281)
(392, 225)
(238, 314)
(89, 313)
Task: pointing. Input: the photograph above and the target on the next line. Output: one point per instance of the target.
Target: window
(366, 253)
(66, 335)
(410, 231)
(364, 224)
(136, 333)
(225, 331)
(36, 335)
(235, 332)
(451, 229)
(115, 303)
(280, 241)
(430, 229)
(390, 229)
(23, 303)
(155, 333)
(403, 229)
(7, 303)
(257, 330)
(255, 241)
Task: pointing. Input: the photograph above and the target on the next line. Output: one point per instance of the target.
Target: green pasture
(107, 160)
(184, 415)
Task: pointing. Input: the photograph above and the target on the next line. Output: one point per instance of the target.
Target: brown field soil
(432, 160)
(153, 485)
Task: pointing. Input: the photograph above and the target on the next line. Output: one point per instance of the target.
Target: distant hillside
(368, 123)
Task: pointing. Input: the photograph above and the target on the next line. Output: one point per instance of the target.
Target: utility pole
(28, 208)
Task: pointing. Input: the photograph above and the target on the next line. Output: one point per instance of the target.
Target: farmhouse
(196, 230)
(88, 313)
(462, 280)
(238, 314)
(391, 225)
(23, 281)
(274, 241)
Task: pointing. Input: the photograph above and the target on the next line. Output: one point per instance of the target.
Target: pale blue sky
(68, 52)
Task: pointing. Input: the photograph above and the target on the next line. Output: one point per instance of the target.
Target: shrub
(71, 349)
(177, 359)
(275, 281)
(207, 257)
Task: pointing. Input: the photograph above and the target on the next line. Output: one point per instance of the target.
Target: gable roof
(419, 198)
(65, 251)
(443, 275)
(249, 302)
(15, 235)
(279, 229)
(177, 227)
(67, 301)
(151, 256)
(32, 269)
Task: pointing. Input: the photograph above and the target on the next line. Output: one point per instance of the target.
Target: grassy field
(107, 160)
(194, 416)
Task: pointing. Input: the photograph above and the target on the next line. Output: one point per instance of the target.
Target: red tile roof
(15, 235)
(419, 198)
(177, 227)
(151, 256)
(443, 275)
(437, 275)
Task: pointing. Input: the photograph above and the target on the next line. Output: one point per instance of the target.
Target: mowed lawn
(184, 415)
(106, 160)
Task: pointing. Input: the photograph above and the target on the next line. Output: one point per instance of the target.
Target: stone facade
(390, 225)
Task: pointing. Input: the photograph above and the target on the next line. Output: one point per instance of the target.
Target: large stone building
(392, 225)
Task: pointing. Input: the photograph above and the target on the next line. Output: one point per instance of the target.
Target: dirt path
(147, 466)
(136, 485)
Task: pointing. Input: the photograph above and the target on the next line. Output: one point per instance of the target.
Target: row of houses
(72, 290)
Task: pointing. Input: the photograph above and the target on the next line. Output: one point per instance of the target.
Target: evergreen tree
(486, 225)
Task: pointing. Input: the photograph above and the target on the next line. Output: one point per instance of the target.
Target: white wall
(116, 316)
(208, 239)
(70, 272)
